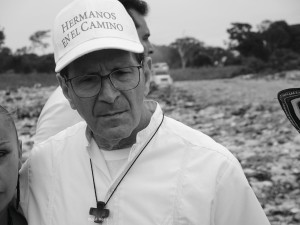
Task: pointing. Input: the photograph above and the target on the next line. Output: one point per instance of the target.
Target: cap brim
(95, 45)
(289, 100)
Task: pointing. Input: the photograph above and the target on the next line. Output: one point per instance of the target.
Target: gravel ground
(243, 115)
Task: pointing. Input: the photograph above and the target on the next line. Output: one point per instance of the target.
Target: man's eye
(3, 153)
(85, 79)
(88, 78)
(123, 71)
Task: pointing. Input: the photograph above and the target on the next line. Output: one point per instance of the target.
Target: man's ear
(65, 89)
(147, 66)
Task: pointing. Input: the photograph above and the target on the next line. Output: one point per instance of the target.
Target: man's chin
(114, 134)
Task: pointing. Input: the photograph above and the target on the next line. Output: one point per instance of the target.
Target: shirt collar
(88, 135)
(144, 135)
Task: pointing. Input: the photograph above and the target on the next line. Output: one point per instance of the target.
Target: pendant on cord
(99, 213)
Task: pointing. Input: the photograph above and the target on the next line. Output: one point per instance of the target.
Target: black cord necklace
(9, 218)
(100, 213)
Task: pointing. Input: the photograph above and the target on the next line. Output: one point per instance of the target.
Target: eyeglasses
(89, 85)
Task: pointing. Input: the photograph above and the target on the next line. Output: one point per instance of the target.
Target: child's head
(10, 158)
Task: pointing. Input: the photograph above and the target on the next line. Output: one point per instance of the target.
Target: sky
(206, 20)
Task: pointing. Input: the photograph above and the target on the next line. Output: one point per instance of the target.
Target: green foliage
(275, 47)
(279, 60)
(45, 64)
(2, 37)
(284, 59)
(6, 59)
(24, 63)
(232, 60)
(8, 80)
(16, 80)
(253, 65)
(204, 73)
(238, 33)
(22, 51)
(217, 55)
(247, 42)
(199, 59)
(277, 36)
(187, 48)
(166, 54)
(38, 39)
(193, 53)
(295, 37)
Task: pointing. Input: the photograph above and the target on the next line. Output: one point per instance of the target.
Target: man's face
(9, 161)
(112, 114)
(143, 30)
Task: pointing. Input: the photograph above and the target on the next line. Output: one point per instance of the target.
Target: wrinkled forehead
(109, 58)
(107, 55)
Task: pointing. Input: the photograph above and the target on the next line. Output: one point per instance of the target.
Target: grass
(203, 73)
(14, 81)
(237, 91)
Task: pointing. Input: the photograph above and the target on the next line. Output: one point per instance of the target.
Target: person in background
(57, 114)
(10, 163)
(126, 162)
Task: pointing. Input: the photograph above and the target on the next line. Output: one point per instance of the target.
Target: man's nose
(108, 93)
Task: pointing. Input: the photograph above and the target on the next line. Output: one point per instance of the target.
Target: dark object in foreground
(100, 213)
(289, 100)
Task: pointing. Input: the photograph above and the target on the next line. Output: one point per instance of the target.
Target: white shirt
(182, 177)
(55, 116)
(114, 159)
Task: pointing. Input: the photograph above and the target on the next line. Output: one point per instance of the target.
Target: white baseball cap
(85, 26)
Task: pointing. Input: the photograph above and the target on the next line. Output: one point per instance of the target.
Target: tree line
(25, 59)
(273, 46)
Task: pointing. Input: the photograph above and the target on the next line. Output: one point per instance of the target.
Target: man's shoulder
(197, 140)
(57, 97)
(56, 115)
(59, 141)
(47, 156)
(55, 102)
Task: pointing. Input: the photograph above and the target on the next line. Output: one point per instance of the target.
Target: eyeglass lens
(122, 79)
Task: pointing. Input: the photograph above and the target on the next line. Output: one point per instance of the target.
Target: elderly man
(126, 163)
(57, 113)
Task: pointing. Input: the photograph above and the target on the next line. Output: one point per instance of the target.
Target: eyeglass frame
(69, 80)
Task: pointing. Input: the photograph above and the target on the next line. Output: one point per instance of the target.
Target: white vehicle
(161, 66)
(161, 75)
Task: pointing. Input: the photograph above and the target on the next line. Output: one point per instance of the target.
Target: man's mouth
(111, 114)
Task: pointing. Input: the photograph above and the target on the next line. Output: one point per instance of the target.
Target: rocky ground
(243, 115)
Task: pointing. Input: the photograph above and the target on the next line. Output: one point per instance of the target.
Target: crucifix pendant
(99, 213)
